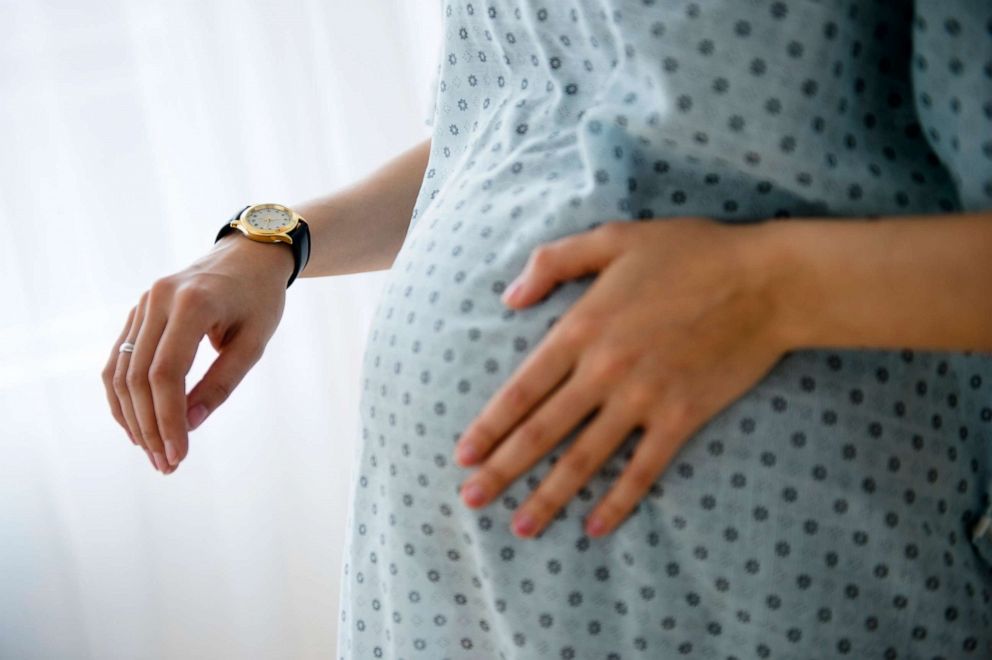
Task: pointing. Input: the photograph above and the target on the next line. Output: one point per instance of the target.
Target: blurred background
(129, 131)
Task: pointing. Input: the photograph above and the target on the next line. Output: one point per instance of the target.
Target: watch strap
(227, 228)
(301, 247)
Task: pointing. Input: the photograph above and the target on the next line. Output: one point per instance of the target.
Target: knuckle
(161, 374)
(160, 288)
(256, 349)
(542, 256)
(638, 396)
(494, 475)
(576, 463)
(220, 390)
(119, 382)
(610, 364)
(543, 503)
(609, 510)
(153, 440)
(147, 431)
(253, 356)
(250, 349)
(517, 395)
(480, 435)
(531, 433)
(640, 476)
(135, 379)
(578, 331)
(192, 296)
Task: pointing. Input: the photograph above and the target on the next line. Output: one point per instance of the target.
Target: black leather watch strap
(227, 228)
(300, 247)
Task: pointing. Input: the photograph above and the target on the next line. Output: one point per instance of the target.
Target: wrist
(820, 280)
(766, 265)
(780, 264)
(275, 257)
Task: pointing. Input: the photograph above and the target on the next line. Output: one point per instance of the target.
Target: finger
(574, 468)
(565, 259)
(137, 374)
(530, 441)
(236, 358)
(653, 453)
(174, 355)
(540, 371)
(120, 376)
(107, 375)
(151, 460)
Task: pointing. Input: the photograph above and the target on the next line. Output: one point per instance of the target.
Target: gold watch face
(269, 218)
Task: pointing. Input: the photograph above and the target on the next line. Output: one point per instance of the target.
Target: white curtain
(129, 131)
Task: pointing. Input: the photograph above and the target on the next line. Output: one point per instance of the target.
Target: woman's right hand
(235, 295)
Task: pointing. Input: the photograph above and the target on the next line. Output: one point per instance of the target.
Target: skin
(146, 388)
(726, 302)
(235, 295)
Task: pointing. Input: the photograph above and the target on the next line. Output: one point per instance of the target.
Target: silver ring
(126, 347)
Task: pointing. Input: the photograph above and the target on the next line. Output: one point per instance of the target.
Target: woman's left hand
(680, 322)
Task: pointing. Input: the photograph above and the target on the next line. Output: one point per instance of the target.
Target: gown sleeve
(952, 87)
(951, 73)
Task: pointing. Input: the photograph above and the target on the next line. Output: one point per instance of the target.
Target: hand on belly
(678, 324)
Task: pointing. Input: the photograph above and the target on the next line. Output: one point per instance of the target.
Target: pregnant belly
(835, 435)
(827, 490)
(832, 490)
(836, 483)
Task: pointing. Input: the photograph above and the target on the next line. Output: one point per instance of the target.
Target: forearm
(915, 281)
(361, 227)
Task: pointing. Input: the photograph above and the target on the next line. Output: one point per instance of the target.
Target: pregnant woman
(686, 346)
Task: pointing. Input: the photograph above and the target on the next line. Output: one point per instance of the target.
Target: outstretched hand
(679, 322)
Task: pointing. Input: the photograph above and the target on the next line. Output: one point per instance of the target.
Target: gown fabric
(828, 511)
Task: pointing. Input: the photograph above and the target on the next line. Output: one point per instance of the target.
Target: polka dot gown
(828, 511)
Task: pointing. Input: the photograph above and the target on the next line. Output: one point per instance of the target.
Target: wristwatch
(273, 223)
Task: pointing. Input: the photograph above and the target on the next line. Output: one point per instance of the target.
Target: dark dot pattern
(826, 512)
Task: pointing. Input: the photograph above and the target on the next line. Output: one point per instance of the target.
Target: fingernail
(595, 526)
(195, 416)
(466, 454)
(524, 523)
(171, 453)
(512, 291)
(160, 461)
(473, 494)
(131, 437)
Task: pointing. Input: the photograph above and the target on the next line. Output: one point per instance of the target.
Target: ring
(126, 347)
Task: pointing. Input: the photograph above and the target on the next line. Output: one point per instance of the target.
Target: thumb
(565, 258)
(235, 359)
